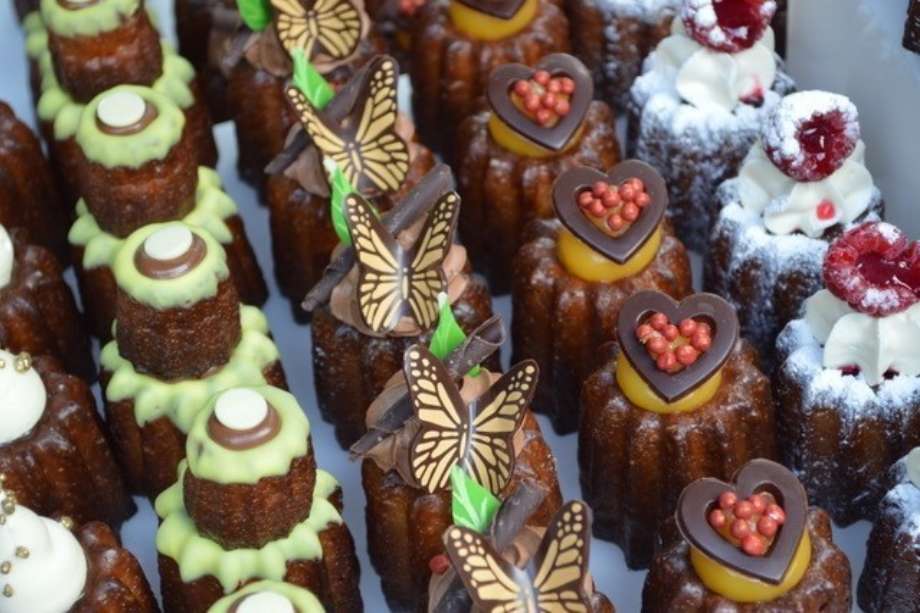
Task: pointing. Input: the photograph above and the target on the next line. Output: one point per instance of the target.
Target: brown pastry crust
(182, 342)
(98, 288)
(249, 516)
(634, 463)
(64, 466)
(615, 65)
(502, 192)
(88, 65)
(38, 313)
(123, 198)
(450, 71)
(26, 177)
(264, 116)
(333, 579)
(351, 369)
(561, 321)
(194, 28)
(405, 525)
(115, 582)
(302, 234)
(150, 454)
(672, 584)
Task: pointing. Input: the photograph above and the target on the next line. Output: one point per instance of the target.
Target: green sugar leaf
(473, 506)
(448, 335)
(256, 14)
(340, 187)
(310, 82)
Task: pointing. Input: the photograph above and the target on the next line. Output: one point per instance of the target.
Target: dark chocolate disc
(503, 9)
(912, 27)
(714, 310)
(499, 93)
(700, 497)
(619, 248)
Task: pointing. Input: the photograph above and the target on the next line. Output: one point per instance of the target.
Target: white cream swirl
(873, 344)
(22, 399)
(789, 206)
(48, 567)
(7, 257)
(709, 79)
(912, 462)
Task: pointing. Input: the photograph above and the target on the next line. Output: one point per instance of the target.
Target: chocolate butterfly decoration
(333, 25)
(477, 437)
(394, 282)
(554, 581)
(364, 144)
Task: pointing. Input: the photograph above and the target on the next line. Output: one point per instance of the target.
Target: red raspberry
(727, 25)
(811, 134)
(875, 269)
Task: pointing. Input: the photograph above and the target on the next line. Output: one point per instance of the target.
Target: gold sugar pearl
(9, 504)
(23, 362)
(6, 567)
(67, 522)
(8, 590)
(22, 552)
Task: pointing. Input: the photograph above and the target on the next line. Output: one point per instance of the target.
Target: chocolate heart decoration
(557, 65)
(699, 498)
(503, 9)
(716, 311)
(570, 185)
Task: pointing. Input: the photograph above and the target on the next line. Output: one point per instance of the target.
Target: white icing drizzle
(169, 242)
(874, 344)
(789, 206)
(7, 257)
(22, 397)
(121, 109)
(266, 602)
(709, 79)
(48, 567)
(241, 409)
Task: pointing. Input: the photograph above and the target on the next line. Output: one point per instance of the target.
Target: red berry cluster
(619, 206)
(408, 7)
(545, 98)
(674, 347)
(750, 524)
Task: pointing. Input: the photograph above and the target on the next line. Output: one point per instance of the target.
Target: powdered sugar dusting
(648, 11)
(781, 132)
(902, 502)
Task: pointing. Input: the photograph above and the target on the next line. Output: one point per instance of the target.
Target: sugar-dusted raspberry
(809, 135)
(727, 25)
(875, 269)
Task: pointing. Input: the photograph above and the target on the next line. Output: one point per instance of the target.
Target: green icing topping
(210, 460)
(154, 142)
(303, 600)
(36, 35)
(55, 105)
(96, 18)
(199, 283)
(197, 556)
(181, 401)
(212, 207)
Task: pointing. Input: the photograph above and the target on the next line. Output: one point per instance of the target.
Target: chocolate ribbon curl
(417, 203)
(510, 519)
(478, 346)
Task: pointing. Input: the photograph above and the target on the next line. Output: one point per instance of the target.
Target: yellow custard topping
(581, 260)
(488, 27)
(638, 392)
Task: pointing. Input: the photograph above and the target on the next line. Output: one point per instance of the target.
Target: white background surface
(852, 53)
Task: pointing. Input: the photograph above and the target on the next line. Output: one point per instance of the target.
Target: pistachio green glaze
(212, 207)
(210, 460)
(36, 35)
(198, 556)
(181, 401)
(303, 600)
(200, 283)
(56, 106)
(93, 19)
(154, 142)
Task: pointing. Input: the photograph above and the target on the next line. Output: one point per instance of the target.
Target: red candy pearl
(670, 332)
(630, 212)
(597, 208)
(563, 107)
(642, 200)
(727, 500)
(554, 86)
(611, 199)
(717, 519)
(548, 100)
(759, 503)
(744, 509)
(615, 222)
(568, 85)
(627, 192)
(776, 513)
(826, 210)
(643, 331)
(767, 526)
(658, 321)
(599, 188)
(658, 345)
(686, 355)
(532, 103)
(740, 529)
(521, 88)
(544, 116)
(666, 361)
(687, 328)
(439, 564)
(701, 341)
(542, 77)
(637, 184)
(753, 545)
(585, 198)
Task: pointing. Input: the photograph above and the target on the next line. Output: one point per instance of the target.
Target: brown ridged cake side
(115, 582)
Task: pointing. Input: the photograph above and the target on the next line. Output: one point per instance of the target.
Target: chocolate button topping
(712, 309)
(701, 497)
(555, 137)
(572, 183)
(123, 113)
(170, 252)
(243, 419)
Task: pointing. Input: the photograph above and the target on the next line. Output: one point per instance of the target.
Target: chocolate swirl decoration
(154, 259)
(124, 113)
(503, 9)
(555, 137)
(574, 182)
(912, 27)
(718, 313)
(700, 497)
